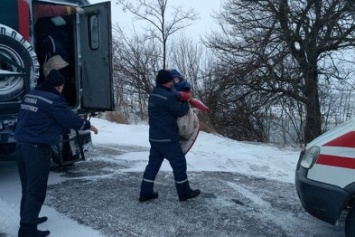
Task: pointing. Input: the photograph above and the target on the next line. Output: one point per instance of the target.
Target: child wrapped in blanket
(188, 124)
(183, 87)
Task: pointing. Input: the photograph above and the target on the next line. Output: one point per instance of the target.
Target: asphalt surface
(101, 195)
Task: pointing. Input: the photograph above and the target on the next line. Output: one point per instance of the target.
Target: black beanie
(163, 77)
(54, 79)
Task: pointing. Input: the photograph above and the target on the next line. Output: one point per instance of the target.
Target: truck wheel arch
(16, 56)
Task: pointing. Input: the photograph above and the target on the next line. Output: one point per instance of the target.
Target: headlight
(310, 157)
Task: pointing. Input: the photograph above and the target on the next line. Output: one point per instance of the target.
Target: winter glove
(184, 96)
(79, 10)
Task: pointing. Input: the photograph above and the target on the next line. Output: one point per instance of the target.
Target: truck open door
(93, 57)
(95, 33)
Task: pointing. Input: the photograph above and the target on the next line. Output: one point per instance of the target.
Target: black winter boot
(154, 195)
(194, 193)
(43, 233)
(42, 219)
(31, 231)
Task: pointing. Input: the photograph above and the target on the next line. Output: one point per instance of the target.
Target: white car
(325, 176)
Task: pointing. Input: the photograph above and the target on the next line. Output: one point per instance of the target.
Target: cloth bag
(188, 130)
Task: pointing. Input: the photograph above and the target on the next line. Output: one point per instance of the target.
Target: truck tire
(350, 223)
(17, 56)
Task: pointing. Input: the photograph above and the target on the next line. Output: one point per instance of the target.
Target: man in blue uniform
(163, 110)
(43, 115)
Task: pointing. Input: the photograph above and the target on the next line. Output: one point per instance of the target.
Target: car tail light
(310, 157)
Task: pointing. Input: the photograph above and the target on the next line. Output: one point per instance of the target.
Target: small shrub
(116, 117)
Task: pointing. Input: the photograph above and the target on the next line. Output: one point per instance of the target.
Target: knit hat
(54, 79)
(182, 85)
(56, 62)
(175, 73)
(163, 77)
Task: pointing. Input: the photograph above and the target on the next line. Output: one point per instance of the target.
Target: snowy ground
(247, 190)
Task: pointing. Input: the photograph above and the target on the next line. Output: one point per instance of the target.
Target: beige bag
(188, 130)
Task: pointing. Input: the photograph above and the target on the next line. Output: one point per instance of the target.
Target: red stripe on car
(346, 140)
(24, 19)
(343, 162)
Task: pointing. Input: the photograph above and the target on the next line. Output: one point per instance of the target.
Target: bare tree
(161, 23)
(135, 62)
(192, 59)
(285, 48)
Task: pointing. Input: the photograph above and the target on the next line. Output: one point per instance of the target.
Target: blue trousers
(174, 154)
(33, 163)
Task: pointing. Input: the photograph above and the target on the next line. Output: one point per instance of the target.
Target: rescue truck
(325, 176)
(86, 38)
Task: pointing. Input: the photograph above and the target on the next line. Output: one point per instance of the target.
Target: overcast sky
(204, 8)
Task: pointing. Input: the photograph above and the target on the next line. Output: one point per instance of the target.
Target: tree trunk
(313, 114)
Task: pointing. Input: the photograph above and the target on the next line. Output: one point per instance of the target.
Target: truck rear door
(95, 50)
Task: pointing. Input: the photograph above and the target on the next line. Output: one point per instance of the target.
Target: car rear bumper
(321, 200)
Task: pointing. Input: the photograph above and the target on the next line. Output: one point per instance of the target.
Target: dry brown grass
(116, 117)
(205, 123)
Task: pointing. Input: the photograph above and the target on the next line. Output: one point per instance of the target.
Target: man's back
(44, 113)
(163, 110)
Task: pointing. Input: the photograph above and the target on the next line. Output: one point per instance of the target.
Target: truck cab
(82, 41)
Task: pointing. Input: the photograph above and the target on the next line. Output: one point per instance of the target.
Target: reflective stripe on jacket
(44, 115)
